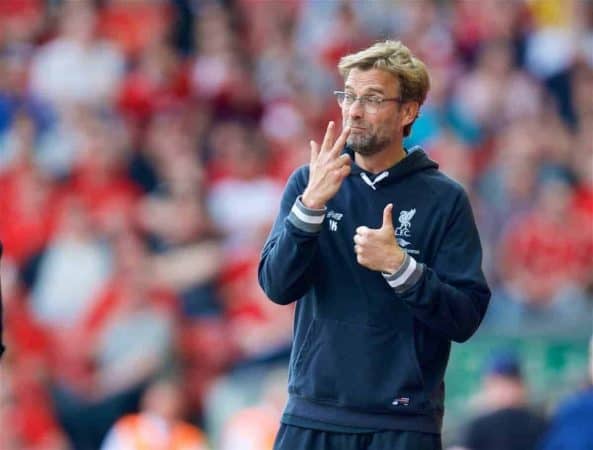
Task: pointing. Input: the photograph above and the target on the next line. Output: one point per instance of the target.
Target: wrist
(394, 262)
(310, 202)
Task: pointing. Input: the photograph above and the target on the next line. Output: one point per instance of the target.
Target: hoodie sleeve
(451, 297)
(286, 264)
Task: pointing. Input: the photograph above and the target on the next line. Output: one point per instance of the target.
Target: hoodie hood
(416, 160)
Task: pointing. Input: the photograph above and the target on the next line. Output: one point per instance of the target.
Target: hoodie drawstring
(372, 183)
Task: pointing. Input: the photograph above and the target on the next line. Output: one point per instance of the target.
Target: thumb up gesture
(377, 249)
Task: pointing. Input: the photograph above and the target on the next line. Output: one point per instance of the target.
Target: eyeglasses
(370, 103)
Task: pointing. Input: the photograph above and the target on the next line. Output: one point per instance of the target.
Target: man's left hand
(377, 249)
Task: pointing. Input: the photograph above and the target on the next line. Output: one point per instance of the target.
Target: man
(158, 425)
(507, 422)
(571, 424)
(378, 303)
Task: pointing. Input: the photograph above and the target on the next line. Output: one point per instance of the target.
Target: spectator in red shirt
(542, 263)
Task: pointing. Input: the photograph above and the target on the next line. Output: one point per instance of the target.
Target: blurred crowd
(144, 146)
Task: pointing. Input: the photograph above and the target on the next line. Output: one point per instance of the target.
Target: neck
(382, 160)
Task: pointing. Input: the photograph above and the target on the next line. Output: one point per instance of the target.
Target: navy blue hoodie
(370, 349)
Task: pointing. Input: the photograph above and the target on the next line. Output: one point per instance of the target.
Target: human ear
(409, 112)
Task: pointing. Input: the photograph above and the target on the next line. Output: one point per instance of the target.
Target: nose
(356, 110)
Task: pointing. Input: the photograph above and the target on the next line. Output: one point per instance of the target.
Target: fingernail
(331, 124)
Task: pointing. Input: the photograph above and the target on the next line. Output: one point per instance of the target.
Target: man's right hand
(327, 169)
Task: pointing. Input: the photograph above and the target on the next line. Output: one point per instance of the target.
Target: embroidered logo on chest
(404, 231)
(405, 223)
(334, 218)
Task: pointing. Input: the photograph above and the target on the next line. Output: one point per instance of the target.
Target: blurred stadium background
(144, 145)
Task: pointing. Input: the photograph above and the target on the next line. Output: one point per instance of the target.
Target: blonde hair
(397, 59)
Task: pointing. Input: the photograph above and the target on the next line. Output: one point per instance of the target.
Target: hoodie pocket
(373, 369)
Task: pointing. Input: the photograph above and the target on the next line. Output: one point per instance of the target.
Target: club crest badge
(405, 223)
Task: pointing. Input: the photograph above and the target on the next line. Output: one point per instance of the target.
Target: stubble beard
(368, 144)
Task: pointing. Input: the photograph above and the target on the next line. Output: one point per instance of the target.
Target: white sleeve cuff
(406, 276)
(306, 219)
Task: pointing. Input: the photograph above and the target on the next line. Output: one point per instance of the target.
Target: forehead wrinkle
(366, 90)
(371, 81)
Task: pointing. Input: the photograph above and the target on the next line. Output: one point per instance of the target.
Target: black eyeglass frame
(365, 101)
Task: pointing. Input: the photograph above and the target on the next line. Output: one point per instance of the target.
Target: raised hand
(327, 168)
(377, 249)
